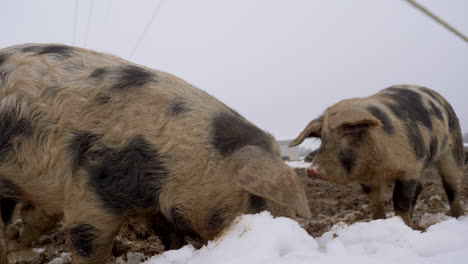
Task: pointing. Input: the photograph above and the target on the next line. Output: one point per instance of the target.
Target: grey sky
(280, 63)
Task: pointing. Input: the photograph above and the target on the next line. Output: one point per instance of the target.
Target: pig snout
(315, 172)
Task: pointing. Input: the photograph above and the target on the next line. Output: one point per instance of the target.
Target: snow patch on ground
(132, 258)
(431, 219)
(63, 259)
(262, 238)
(252, 239)
(300, 164)
(38, 250)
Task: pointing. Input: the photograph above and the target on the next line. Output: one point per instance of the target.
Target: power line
(89, 22)
(156, 11)
(437, 19)
(75, 18)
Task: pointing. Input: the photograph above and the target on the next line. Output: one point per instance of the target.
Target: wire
(438, 19)
(75, 18)
(89, 22)
(156, 11)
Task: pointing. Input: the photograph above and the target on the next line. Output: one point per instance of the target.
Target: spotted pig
(94, 139)
(390, 137)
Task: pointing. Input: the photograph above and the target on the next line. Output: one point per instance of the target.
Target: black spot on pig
(3, 72)
(257, 204)
(7, 207)
(433, 147)
(178, 107)
(3, 58)
(436, 111)
(32, 48)
(404, 195)
(131, 76)
(182, 224)
(431, 94)
(408, 106)
(455, 133)
(58, 50)
(83, 239)
(99, 73)
(448, 189)
(415, 140)
(230, 133)
(9, 189)
(383, 117)
(452, 118)
(80, 146)
(12, 127)
(347, 158)
(126, 179)
(217, 217)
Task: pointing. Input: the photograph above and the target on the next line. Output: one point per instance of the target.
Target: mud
(330, 204)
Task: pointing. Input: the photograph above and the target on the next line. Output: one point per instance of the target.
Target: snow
(63, 259)
(262, 238)
(311, 143)
(38, 250)
(300, 164)
(132, 258)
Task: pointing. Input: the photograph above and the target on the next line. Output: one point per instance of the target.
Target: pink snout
(315, 172)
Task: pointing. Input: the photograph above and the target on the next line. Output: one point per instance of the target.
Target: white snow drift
(261, 238)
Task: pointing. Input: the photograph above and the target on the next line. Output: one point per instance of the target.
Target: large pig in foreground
(95, 139)
(390, 137)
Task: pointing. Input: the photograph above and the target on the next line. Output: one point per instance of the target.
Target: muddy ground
(329, 203)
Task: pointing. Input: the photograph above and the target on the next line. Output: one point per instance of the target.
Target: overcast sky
(280, 63)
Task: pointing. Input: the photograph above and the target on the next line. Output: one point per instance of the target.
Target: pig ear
(261, 173)
(313, 129)
(354, 118)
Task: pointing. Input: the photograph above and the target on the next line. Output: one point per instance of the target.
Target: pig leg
(168, 235)
(3, 251)
(91, 229)
(419, 188)
(7, 207)
(405, 194)
(35, 223)
(451, 175)
(376, 200)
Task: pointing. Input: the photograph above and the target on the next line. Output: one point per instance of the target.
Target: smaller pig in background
(390, 137)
